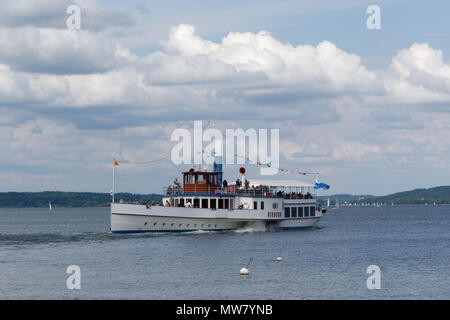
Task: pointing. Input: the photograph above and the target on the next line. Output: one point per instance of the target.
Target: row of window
(211, 203)
(201, 178)
(202, 203)
(180, 225)
(299, 212)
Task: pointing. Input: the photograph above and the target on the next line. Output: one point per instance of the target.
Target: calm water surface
(411, 245)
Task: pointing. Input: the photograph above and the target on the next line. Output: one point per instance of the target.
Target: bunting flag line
(279, 169)
(268, 165)
(142, 162)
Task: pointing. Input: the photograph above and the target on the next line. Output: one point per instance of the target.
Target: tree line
(68, 199)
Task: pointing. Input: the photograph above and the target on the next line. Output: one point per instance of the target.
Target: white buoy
(279, 259)
(244, 272)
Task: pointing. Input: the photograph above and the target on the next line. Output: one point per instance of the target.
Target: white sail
(49, 206)
(336, 205)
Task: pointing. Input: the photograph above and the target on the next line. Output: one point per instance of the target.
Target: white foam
(257, 226)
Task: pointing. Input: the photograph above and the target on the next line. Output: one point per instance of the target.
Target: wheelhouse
(201, 181)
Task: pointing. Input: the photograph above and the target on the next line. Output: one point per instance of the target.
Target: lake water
(410, 244)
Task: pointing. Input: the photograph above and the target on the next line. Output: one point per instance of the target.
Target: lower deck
(144, 218)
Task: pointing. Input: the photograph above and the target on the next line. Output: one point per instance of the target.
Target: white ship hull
(133, 218)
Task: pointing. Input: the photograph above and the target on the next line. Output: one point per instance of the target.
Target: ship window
(262, 205)
(287, 212)
(181, 203)
(255, 205)
(154, 224)
(172, 224)
(300, 212)
(164, 224)
(204, 203)
(196, 203)
(227, 203)
(186, 179)
(306, 211)
(213, 203)
(312, 211)
(220, 203)
(231, 203)
(294, 212)
(200, 178)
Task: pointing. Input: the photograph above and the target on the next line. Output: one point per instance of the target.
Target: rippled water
(411, 245)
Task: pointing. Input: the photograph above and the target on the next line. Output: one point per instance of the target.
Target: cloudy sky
(368, 109)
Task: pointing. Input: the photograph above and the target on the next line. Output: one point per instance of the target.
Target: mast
(115, 163)
(112, 193)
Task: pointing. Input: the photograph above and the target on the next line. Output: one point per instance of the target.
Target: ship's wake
(258, 226)
(61, 238)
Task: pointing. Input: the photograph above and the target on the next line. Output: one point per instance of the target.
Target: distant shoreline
(430, 196)
(61, 199)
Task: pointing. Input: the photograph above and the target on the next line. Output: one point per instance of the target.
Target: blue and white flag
(320, 185)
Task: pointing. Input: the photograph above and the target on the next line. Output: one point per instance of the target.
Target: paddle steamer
(204, 202)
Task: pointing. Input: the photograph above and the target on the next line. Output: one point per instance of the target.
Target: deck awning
(280, 183)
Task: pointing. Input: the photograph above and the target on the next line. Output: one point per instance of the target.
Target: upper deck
(209, 184)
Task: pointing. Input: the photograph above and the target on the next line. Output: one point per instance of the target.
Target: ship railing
(299, 196)
(168, 191)
(230, 190)
(264, 192)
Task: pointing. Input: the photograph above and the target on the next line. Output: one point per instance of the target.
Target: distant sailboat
(49, 206)
(328, 203)
(336, 205)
